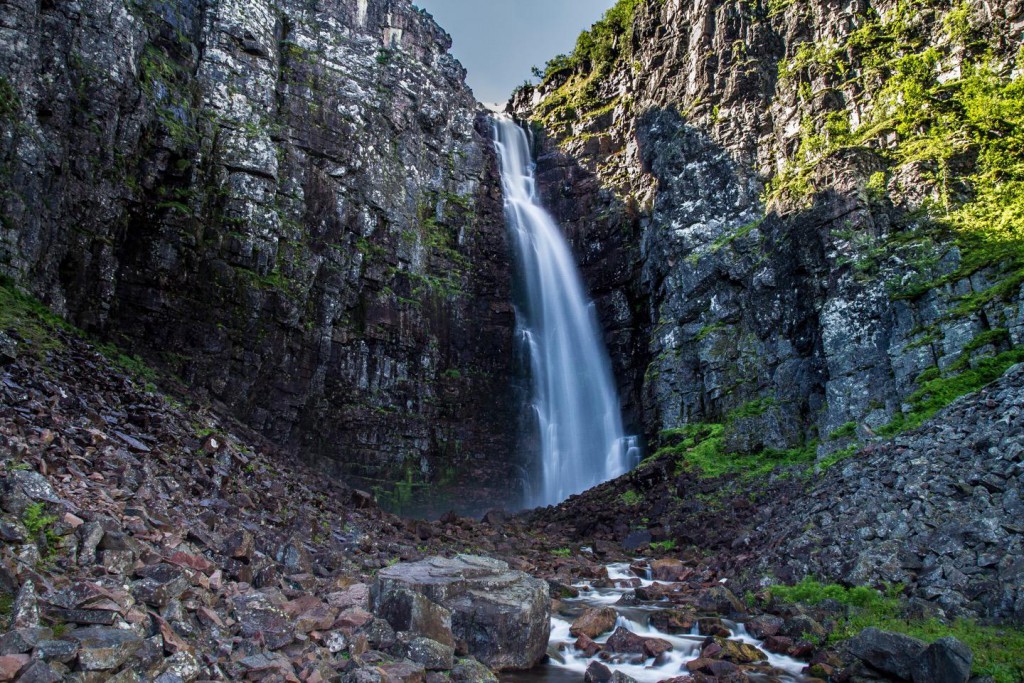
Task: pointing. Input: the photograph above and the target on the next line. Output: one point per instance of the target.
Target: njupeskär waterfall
(581, 436)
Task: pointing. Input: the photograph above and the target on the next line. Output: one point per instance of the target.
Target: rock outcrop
(294, 208)
(500, 616)
(758, 222)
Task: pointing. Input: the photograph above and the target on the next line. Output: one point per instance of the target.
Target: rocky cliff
(290, 205)
(802, 222)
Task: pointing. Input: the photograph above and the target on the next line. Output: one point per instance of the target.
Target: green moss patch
(962, 135)
(702, 447)
(998, 650)
(937, 392)
(30, 320)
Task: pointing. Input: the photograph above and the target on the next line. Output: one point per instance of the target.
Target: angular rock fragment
(891, 653)
(102, 648)
(594, 621)
(501, 615)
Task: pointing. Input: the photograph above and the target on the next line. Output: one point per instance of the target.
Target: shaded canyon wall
(293, 206)
(768, 248)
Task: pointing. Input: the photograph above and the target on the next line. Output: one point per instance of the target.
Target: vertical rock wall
(795, 302)
(293, 206)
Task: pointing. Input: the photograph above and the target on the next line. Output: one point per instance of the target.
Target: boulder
(597, 673)
(673, 621)
(802, 626)
(471, 671)
(587, 646)
(102, 648)
(25, 611)
(947, 660)
(403, 672)
(11, 666)
(890, 653)
(502, 616)
(63, 651)
(655, 647)
(712, 667)
(667, 569)
(434, 656)
(594, 621)
(160, 583)
(764, 626)
(259, 618)
(39, 672)
(412, 612)
(21, 640)
(625, 641)
(719, 600)
(738, 652)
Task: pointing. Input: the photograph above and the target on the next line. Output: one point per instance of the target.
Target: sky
(499, 40)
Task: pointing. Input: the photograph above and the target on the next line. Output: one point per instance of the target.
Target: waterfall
(577, 407)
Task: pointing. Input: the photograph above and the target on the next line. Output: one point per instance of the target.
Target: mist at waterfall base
(582, 443)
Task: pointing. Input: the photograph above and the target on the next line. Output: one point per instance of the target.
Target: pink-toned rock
(301, 604)
(191, 561)
(356, 595)
(594, 621)
(625, 641)
(587, 646)
(654, 647)
(73, 521)
(319, 617)
(11, 666)
(668, 569)
(353, 617)
(208, 616)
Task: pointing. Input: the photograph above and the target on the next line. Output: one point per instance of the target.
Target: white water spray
(582, 441)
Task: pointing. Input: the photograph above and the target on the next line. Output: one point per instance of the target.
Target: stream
(566, 664)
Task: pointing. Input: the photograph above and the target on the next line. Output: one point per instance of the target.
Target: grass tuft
(998, 650)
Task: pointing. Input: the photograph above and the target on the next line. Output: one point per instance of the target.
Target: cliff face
(292, 206)
(801, 221)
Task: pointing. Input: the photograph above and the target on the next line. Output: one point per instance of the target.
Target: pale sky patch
(499, 40)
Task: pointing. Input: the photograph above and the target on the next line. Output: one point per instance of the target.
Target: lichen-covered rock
(104, 649)
(501, 616)
(947, 660)
(792, 319)
(434, 656)
(302, 205)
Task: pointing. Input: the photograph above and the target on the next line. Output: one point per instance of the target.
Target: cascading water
(581, 436)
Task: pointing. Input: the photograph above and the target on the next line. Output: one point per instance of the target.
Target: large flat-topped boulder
(499, 615)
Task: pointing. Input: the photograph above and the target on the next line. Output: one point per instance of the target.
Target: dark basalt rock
(103, 649)
(891, 653)
(303, 206)
(947, 660)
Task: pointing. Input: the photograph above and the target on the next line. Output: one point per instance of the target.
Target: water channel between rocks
(566, 664)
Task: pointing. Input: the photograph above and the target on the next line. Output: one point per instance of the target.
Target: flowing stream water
(577, 408)
(566, 664)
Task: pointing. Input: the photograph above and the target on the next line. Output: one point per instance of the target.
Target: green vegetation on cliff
(37, 328)
(949, 114)
(702, 446)
(579, 75)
